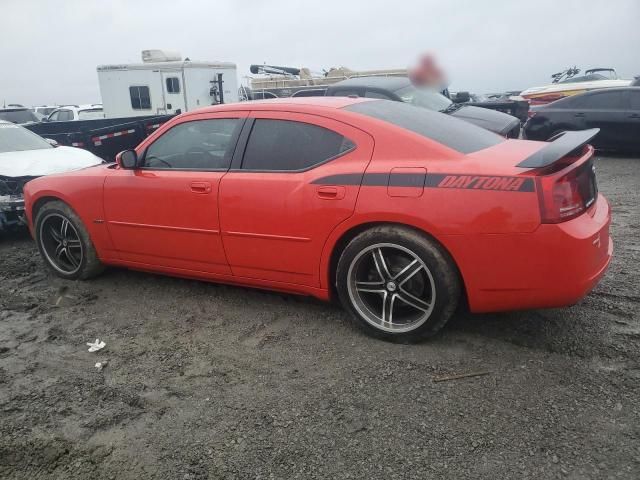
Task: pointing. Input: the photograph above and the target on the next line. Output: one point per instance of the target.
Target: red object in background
(504, 226)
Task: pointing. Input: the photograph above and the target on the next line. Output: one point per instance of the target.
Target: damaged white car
(25, 156)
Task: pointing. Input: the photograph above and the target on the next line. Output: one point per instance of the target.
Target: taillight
(565, 195)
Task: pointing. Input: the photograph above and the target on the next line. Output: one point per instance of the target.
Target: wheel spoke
(413, 301)
(408, 272)
(73, 244)
(64, 227)
(60, 249)
(370, 287)
(387, 307)
(71, 258)
(381, 264)
(57, 236)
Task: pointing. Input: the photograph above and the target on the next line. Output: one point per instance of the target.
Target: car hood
(46, 161)
(497, 122)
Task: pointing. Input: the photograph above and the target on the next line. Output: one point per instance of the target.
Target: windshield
(16, 139)
(423, 97)
(90, 114)
(18, 116)
(586, 78)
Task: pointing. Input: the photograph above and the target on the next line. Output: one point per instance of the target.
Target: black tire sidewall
(443, 271)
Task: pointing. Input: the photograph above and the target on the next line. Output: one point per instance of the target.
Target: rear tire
(398, 284)
(64, 243)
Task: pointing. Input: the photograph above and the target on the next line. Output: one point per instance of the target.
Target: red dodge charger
(400, 212)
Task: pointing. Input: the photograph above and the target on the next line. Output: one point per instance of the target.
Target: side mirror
(462, 97)
(127, 159)
(52, 142)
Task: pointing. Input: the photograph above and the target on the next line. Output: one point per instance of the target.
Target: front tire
(64, 243)
(397, 283)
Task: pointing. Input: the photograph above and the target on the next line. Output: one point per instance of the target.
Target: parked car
(394, 209)
(76, 112)
(400, 89)
(45, 110)
(25, 156)
(18, 115)
(615, 111)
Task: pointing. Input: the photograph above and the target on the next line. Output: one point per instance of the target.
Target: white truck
(165, 84)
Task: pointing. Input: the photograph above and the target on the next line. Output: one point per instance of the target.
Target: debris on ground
(95, 346)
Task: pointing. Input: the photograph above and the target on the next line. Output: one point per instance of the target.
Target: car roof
(282, 104)
(388, 83)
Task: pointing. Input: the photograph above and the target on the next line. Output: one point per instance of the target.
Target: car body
(70, 113)
(25, 156)
(18, 115)
(286, 195)
(615, 111)
(400, 89)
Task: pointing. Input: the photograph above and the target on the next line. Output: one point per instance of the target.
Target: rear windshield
(18, 116)
(451, 132)
(92, 114)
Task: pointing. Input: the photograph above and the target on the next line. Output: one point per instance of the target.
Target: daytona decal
(433, 180)
(509, 184)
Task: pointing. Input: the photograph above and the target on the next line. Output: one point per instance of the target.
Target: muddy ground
(207, 381)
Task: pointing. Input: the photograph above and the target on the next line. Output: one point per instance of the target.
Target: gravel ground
(206, 381)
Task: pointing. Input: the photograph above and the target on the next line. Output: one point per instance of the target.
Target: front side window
(61, 116)
(198, 145)
(173, 85)
(285, 145)
(140, 98)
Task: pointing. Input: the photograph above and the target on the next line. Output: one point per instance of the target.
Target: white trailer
(165, 84)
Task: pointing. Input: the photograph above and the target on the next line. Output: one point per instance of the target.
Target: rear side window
(285, 145)
(439, 127)
(345, 92)
(140, 98)
(600, 100)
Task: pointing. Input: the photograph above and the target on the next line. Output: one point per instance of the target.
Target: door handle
(331, 193)
(579, 115)
(200, 187)
(634, 115)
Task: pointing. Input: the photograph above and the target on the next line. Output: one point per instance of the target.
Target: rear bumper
(555, 266)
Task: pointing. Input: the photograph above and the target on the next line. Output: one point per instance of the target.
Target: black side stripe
(431, 180)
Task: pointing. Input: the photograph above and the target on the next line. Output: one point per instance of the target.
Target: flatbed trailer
(103, 137)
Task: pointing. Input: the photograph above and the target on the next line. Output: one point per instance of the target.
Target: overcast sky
(49, 49)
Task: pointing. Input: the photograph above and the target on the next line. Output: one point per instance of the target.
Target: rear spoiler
(560, 146)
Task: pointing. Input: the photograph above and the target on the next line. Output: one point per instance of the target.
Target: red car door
(298, 179)
(165, 213)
